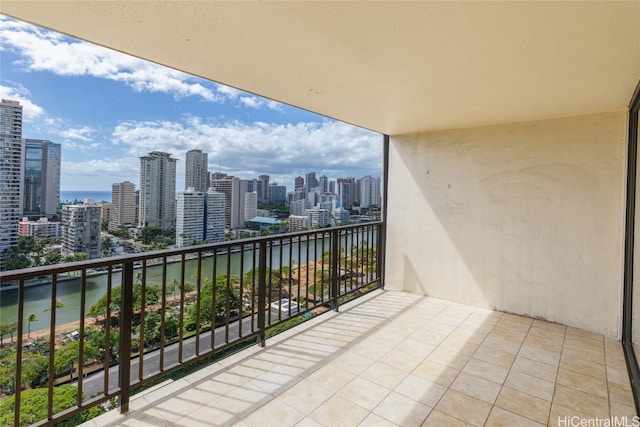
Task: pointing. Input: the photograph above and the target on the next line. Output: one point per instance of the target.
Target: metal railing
(165, 311)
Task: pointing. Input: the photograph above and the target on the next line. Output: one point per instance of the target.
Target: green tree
(226, 299)
(150, 234)
(33, 406)
(34, 368)
(32, 317)
(69, 354)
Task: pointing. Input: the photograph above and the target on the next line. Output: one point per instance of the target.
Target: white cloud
(83, 133)
(43, 50)
(248, 150)
(30, 110)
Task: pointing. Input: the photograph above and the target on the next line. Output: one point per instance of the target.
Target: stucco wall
(525, 218)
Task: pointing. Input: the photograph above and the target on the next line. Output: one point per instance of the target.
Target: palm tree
(32, 317)
(59, 304)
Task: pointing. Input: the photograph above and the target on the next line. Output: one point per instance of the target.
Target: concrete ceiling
(393, 67)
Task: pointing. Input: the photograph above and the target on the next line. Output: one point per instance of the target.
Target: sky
(107, 109)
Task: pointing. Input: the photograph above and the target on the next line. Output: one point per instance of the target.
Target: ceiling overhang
(393, 67)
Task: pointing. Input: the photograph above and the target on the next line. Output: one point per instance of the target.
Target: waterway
(37, 299)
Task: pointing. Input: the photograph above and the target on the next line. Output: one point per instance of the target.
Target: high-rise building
(277, 193)
(311, 181)
(323, 183)
(250, 205)
(41, 178)
(264, 197)
(297, 207)
(215, 216)
(196, 171)
(157, 190)
(80, 227)
(369, 191)
(345, 192)
(234, 190)
(190, 217)
(123, 200)
(10, 174)
(298, 183)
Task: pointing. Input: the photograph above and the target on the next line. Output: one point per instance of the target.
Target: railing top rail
(29, 273)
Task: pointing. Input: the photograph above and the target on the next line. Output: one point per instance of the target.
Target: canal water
(37, 299)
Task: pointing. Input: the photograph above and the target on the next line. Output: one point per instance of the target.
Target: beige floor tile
(464, 408)
(415, 347)
(401, 360)
(370, 349)
(586, 383)
(581, 333)
(502, 344)
(339, 412)
(476, 387)
(275, 414)
(544, 342)
(448, 358)
(540, 354)
(331, 377)
(207, 416)
(621, 410)
(535, 368)
(480, 329)
(402, 411)
(305, 396)
(561, 416)
(585, 353)
(384, 375)
(421, 390)
(364, 393)
(436, 372)
(439, 419)
(618, 376)
(523, 404)
(353, 362)
(531, 385)
(486, 370)
(458, 345)
(621, 394)
(509, 334)
(492, 355)
(374, 420)
(501, 418)
(583, 367)
(581, 401)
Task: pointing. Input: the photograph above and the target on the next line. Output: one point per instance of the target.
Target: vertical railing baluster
(198, 285)
(335, 269)
(83, 297)
(126, 315)
(52, 345)
(262, 284)
(143, 307)
(18, 381)
(107, 333)
(163, 298)
(183, 266)
(241, 290)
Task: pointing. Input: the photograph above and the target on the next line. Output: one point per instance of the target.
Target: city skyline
(107, 109)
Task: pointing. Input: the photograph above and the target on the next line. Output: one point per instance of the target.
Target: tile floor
(400, 359)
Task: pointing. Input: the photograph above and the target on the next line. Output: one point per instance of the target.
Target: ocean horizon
(97, 196)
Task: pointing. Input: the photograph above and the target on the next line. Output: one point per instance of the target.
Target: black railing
(165, 311)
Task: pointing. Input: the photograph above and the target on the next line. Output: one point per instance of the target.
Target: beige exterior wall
(526, 218)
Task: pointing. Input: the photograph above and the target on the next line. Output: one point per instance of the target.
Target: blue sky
(107, 109)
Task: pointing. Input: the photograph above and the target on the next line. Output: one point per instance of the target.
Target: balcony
(395, 358)
(373, 357)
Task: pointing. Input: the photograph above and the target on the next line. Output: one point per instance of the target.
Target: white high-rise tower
(10, 174)
(123, 201)
(196, 171)
(157, 190)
